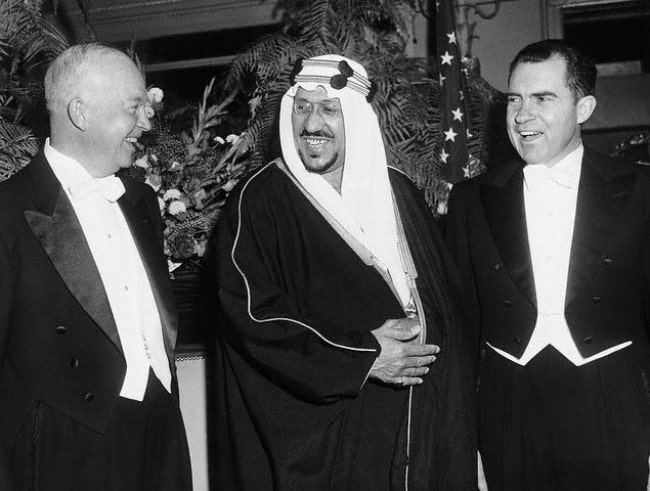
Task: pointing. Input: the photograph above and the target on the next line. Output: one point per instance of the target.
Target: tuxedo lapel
(139, 218)
(55, 225)
(604, 189)
(503, 203)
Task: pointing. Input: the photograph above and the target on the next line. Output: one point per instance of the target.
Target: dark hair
(580, 68)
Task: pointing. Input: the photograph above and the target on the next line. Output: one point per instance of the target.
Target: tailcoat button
(596, 299)
(507, 303)
(61, 329)
(588, 340)
(517, 340)
(74, 363)
(89, 396)
(607, 260)
(497, 266)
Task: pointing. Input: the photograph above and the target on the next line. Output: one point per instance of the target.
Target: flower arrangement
(635, 148)
(192, 172)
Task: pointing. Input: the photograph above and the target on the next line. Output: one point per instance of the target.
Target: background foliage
(28, 41)
(408, 98)
(374, 32)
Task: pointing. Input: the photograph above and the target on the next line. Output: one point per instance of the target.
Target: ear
(77, 114)
(585, 107)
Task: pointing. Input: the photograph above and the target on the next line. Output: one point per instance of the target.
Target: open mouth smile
(316, 142)
(132, 140)
(529, 135)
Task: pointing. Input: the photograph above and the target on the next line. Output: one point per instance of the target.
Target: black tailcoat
(609, 268)
(606, 304)
(59, 344)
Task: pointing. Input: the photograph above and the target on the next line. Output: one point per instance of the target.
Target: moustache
(316, 134)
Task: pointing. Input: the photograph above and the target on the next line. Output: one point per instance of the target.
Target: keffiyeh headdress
(365, 206)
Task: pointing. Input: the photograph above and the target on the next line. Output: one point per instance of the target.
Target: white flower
(442, 207)
(142, 162)
(171, 194)
(232, 138)
(219, 140)
(227, 187)
(175, 166)
(176, 207)
(155, 95)
(154, 181)
(199, 247)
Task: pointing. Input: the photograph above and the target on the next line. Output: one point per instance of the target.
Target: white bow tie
(539, 176)
(111, 188)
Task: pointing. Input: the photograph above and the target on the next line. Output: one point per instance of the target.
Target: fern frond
(408, 97)
(17, 147)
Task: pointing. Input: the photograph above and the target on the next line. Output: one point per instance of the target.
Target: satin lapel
(138, 216)
(63, 240)
(601, 200)
(506, 218)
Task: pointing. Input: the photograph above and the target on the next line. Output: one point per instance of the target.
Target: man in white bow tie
(88, 392)
(553, 250)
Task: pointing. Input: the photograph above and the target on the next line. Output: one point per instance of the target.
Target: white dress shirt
(550, 196)
(121, 269)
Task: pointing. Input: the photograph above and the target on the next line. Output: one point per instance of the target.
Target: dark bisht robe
(295, 409)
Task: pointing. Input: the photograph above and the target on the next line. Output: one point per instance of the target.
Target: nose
(313, 121)
(524, 113)
(143, 119)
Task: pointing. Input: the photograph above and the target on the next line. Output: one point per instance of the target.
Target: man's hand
(402, 361)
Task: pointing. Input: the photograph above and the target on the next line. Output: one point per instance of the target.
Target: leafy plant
(192, 170)
(17, 146)
(28, 40)
(635, 148)
(408, 96)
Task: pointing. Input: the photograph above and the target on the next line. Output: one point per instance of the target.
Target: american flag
(453, 154)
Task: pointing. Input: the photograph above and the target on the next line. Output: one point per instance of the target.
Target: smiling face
(318, 130)
(543, 116)
(116, 101)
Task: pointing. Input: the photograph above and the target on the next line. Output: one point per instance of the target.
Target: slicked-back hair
(69, 69)
(580, 68)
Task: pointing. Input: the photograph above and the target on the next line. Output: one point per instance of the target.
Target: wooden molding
(553, 10)
(119, 20)
(586, 3)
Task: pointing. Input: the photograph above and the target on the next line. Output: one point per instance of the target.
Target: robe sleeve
(264, 324)
(459, 246)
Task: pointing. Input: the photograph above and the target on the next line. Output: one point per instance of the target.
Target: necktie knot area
(110, 188)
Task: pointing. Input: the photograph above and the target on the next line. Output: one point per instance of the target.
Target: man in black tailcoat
(88, 391)
(553, 249)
